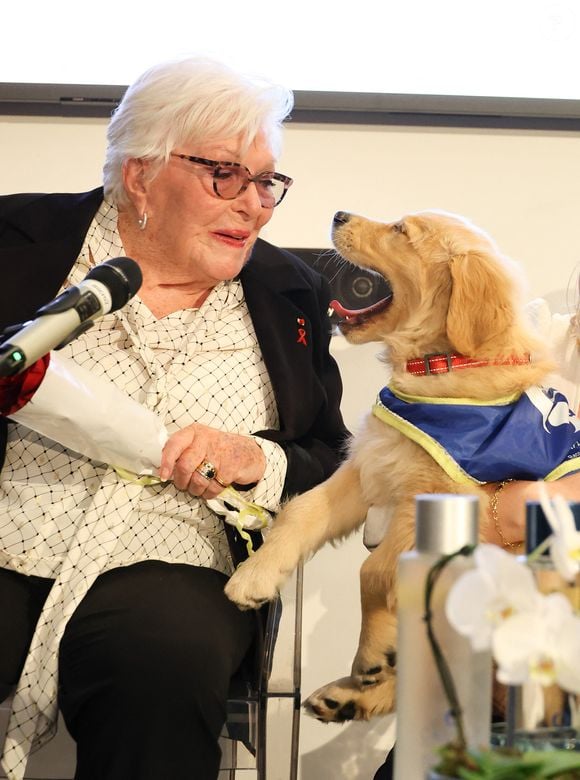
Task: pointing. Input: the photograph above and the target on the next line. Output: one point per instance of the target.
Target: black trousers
(145, 666)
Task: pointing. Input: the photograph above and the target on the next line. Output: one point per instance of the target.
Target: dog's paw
(344, 700)
(254, 583)
(373, 668)
(335, 702)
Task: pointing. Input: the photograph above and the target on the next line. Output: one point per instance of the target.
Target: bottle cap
(537, 526)
(445, 522)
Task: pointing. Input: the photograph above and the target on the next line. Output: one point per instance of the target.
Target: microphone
(107, 287)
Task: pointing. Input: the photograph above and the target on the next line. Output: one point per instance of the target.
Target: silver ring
(207, 469)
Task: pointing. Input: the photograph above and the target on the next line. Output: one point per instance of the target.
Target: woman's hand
(236, 459)
(511, 505)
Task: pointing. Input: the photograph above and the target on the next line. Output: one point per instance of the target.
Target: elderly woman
(112, 588)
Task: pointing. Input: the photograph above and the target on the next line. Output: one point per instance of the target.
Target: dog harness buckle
(437, 356)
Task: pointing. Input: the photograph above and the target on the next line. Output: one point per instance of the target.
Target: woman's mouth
(235, 238)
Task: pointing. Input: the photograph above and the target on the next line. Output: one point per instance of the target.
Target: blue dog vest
(532, 436)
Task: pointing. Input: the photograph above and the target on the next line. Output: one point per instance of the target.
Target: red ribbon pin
(301, 332)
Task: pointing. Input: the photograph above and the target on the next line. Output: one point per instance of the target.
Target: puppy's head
(452, 290)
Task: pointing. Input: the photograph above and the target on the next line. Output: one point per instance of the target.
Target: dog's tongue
(337, 307)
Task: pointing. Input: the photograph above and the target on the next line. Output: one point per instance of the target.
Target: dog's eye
(400, 227)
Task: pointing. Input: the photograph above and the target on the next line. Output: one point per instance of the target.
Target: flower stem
(510, 721)
(440, 662)
(540, 549)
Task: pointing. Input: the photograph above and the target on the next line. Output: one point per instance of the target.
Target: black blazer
(40, 239)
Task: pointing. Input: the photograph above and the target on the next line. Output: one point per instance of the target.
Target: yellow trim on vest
(504, 401)
(568, 467)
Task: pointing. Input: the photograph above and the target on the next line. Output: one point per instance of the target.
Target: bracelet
(493, 507)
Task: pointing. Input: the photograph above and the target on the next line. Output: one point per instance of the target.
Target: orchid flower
(498, 588)
(543, 645)
(565, 542)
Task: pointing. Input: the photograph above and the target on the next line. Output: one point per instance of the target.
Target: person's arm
(309, 458)
(507, 522)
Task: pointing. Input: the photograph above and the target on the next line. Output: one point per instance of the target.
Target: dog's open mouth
(352, 318)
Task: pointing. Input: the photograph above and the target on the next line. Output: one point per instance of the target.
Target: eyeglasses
(230, 179)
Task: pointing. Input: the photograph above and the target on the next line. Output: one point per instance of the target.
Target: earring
(142, 221)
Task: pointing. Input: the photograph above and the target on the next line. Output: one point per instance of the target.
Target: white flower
(541, 645)
(497, 588)
(565, 542)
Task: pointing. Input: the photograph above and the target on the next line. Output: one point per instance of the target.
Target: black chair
(261, 734)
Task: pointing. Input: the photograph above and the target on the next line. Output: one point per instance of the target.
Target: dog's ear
(481, 313)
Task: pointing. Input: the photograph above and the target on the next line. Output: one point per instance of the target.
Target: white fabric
(92, 417)
(70, 518)
(559, 331)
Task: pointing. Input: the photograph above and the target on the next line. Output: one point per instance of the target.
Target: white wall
(521, 186)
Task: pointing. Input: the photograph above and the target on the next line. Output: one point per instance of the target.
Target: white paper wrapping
(90, 415)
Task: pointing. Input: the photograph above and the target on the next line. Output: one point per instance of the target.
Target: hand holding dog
(511, 507)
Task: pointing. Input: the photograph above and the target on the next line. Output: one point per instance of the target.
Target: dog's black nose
(341, 218)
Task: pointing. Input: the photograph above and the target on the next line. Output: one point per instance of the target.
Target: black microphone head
(121, 276)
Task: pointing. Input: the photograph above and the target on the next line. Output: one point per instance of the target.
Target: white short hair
(189, 100)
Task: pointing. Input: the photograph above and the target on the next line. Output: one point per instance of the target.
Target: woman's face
(205, 238)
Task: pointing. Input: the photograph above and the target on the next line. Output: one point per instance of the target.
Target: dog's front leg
(329, 511)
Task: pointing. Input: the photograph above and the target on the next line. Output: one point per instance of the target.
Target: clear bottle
(444, 524)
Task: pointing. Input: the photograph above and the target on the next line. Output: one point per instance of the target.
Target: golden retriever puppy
(452, 329)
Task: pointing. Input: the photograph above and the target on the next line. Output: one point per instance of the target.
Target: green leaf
(555, 763)
(496, 765)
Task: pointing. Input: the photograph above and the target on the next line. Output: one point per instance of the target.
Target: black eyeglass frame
(217, 164)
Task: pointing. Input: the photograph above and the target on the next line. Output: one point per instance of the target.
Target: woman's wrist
(494, 512)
